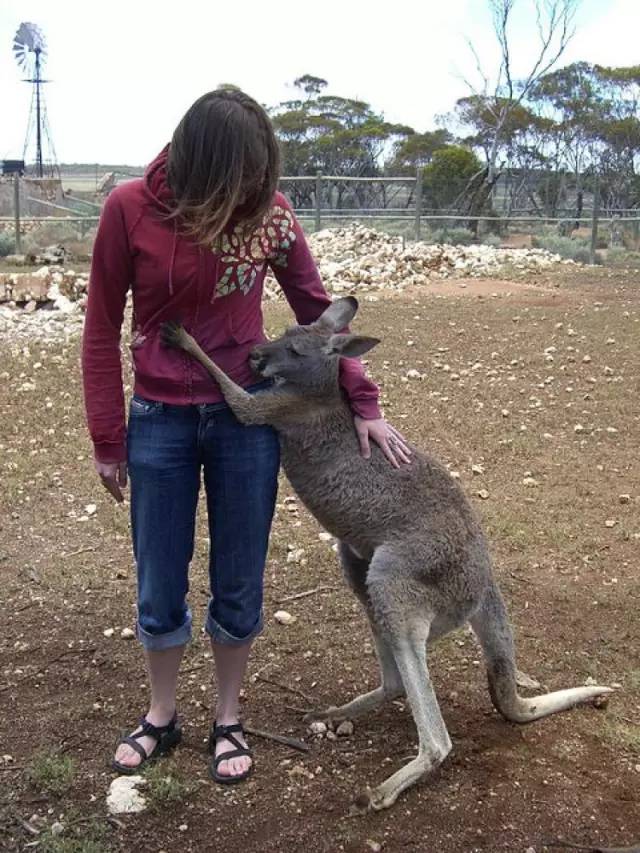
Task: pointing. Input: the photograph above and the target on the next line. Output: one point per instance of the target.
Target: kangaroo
(411, 546)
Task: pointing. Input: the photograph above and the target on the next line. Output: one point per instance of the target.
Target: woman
(192, 239)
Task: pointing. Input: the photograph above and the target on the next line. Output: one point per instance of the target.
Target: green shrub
(576, 249)
(455, 236)
(51, 232)
(51, 773)
(619, 256)
(491, 240)
(7, 244)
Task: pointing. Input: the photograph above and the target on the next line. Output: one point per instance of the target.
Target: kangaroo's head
(307, 356)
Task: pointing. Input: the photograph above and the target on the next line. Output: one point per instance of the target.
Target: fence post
(594, 220)
(16, 213)
(418, 202)
(318, 198)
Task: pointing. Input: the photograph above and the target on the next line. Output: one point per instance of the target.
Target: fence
(321, 199)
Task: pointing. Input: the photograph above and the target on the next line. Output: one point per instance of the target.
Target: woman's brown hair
(223, 165)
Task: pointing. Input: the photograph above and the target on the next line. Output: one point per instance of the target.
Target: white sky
(124, 72)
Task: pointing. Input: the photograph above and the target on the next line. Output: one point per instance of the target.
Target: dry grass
(565, 547)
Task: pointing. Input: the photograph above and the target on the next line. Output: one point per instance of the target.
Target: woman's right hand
(113, 476)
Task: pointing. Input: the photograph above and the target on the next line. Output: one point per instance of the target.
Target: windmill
(30, 51)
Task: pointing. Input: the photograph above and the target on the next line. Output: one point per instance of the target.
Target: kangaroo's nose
(257, 359)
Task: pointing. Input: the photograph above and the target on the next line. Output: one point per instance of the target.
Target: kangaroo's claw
(172, 335)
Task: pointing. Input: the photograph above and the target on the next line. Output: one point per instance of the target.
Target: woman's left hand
(387, 437)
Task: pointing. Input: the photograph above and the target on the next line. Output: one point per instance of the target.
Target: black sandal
(226, 732)
(166, 737)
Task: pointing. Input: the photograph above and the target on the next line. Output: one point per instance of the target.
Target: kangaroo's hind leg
(355, 570)
(402, 609)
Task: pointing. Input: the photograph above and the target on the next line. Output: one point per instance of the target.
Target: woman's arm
(111, 276)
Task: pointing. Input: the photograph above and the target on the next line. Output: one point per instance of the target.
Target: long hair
(223, 165)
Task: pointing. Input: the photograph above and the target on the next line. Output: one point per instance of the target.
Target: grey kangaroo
(410, 544)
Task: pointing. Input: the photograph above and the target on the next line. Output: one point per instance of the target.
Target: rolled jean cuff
(219, 635)
(159, 642)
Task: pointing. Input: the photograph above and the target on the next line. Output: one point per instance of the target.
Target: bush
(576, 249)
(455, 236)
(7, 244)
(50, 233)
(620, 256)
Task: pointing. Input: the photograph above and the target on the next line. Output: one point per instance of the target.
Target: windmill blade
(28, 40)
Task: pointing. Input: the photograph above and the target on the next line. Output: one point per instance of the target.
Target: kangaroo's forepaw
(173, 335)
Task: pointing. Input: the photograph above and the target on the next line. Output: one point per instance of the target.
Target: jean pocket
(139, 406)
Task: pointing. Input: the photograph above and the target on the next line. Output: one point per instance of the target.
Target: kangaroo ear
(349, 346)
(338, 315)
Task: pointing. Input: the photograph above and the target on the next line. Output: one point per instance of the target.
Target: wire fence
(329, 200)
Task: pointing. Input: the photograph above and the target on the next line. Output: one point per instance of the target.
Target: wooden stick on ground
(306, 593)
(292, 742)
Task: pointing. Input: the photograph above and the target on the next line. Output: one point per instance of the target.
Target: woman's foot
(228, 737)
(127, 755)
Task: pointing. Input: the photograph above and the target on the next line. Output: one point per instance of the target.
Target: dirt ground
(536, 386)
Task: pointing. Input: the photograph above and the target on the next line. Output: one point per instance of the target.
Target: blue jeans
(168, 447)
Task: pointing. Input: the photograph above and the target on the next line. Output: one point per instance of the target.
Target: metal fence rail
(413, 211)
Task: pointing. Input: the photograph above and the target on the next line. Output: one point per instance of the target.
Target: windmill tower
(30, 51)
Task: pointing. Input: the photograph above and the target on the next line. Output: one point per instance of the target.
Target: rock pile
(358, 258)
(354, 259)
(58, 293)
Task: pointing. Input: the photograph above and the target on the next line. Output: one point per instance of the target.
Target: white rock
(345, 729)
(317, 727)
(123, 796)
(283, 617)
(108, 632)
(127, 634)
(295, 556)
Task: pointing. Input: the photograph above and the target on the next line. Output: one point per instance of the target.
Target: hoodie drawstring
(173, 256)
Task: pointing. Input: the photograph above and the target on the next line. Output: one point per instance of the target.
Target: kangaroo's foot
(526, 682)
(387, 793)
(357, 707)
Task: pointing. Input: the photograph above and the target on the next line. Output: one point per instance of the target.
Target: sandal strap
(147, 729)
(135, 746)
(226, 732)
(231, 753)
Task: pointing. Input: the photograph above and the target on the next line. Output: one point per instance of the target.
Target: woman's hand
(113, 476)
(387, 437)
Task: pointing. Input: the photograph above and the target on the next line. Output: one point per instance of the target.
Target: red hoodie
(216, 295)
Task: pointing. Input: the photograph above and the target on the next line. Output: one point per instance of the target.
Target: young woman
(193, 240)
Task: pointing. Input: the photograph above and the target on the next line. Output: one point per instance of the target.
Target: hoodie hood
(155, 181)
(157, 188)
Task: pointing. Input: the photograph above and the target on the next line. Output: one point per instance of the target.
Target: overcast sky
(124, 72)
